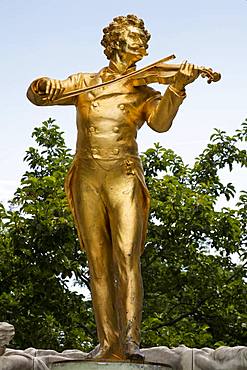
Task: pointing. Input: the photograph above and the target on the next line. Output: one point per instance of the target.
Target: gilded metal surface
(105, 185)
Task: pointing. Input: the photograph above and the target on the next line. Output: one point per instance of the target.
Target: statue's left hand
(186, 74)
(51, 88)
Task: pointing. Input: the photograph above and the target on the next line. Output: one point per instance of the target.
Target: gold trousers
(110, 202)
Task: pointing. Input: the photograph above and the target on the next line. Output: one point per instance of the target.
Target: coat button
(121, 106)
(91, 129)
(95, 104)
(115, 151)
(115, 129)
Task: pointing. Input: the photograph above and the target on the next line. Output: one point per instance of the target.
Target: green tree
(40, 254)
(194, 293)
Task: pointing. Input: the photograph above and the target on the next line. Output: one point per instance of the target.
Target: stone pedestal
(90, 365)
(156, 358)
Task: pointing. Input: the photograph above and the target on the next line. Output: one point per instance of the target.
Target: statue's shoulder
(149, 92)
(78, 76)
(81, 79)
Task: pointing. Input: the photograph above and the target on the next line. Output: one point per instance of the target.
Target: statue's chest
(111, 100)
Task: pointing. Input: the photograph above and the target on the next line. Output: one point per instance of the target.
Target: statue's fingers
(56, 94)
(48, 87)
(192, 71)
(58, 89)
(52, 89)
(191, 68)
(183, 65)
(187, 69)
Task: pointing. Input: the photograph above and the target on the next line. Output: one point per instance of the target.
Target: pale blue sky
(56, 38)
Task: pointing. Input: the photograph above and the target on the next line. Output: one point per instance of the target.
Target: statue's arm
(160, 111)
(45, 91)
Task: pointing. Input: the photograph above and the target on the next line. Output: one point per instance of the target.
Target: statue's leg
(127, 214)
(93, 222)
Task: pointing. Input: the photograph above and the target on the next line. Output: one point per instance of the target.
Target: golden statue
(105, 185)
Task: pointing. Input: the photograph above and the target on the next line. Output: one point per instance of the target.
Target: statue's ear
(117, 45)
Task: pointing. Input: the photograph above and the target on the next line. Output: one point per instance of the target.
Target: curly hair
(112, 33)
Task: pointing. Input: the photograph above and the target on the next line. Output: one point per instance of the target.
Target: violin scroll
(209, 74)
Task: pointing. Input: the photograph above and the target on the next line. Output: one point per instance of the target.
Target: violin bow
(76, 92)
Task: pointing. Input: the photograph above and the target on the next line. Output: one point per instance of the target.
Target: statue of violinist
(105, 185)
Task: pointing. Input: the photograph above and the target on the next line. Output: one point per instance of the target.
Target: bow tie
(108, 74)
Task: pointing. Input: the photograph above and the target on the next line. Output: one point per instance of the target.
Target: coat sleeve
(161, 110)
(37, 97)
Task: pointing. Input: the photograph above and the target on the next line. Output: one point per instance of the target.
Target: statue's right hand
(52, 89)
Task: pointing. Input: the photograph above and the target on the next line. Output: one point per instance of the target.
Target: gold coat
(107, 193)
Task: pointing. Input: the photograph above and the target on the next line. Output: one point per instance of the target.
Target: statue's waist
(107, 153)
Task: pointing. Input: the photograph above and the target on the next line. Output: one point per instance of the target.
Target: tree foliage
(195, 293)
(40, 253)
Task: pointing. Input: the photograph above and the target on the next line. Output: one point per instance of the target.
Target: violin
(164, 73)
(157, 72)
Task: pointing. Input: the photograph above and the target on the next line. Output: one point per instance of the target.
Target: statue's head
(126, 34)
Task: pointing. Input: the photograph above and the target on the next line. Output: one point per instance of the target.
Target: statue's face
(132, 44)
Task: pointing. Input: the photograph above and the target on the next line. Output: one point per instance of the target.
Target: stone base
(105, 365)
(156, 358)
